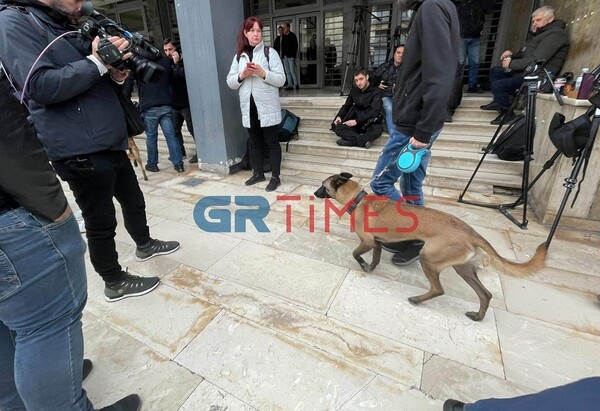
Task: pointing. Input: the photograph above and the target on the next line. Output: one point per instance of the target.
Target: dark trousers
(262, 137)
(179, 115)
(95, 179)
(503, 85)
(353, 135)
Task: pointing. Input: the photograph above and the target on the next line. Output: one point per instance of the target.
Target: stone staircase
(314, 156)
(456, 152)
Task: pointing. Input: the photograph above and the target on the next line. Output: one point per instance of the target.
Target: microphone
(87, 9)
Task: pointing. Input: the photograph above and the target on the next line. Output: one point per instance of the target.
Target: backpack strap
(267, 50)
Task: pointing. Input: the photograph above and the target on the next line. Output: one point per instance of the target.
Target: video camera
(98, 25)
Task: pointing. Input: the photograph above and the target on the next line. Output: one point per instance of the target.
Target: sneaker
(179, 168)
(405, 252)
(154, 248)
(130, 403)
(87, 367)
(152, 167)
(256, 178)
(194, 159)
(129, 286)
(273, 184)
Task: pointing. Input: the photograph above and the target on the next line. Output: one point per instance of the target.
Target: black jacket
(26, 178)
(362, 105)
(425, 84)
(289, 45)
(550, 43)
(159, 93)
(387, 72)
(471, 15)
(179, 86)
(75, 110)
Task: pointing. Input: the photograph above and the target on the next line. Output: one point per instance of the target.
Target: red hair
(242, 40)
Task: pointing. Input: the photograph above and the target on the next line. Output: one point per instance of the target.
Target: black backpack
(510, 145)
(288, 127)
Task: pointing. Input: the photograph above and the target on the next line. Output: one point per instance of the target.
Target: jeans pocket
(9, 279)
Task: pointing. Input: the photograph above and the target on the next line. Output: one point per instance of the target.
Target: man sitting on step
(358, 122)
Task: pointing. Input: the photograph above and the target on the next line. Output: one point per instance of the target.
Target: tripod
(530, 88)
(355, 44)
(583, 156)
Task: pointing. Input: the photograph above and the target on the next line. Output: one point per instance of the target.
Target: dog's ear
(346, 176)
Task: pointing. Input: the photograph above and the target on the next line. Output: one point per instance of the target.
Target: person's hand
(350, 123)
(383, 86)
(119, 42)
(337, 120)
(506, 63)
(506, 54)
(256, 70)
(416, 143)
(118, 75)
(176, 57)
(66, 214)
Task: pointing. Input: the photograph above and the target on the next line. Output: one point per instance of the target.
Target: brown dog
(449, 241)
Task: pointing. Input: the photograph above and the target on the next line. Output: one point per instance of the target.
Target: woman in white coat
(257, 74)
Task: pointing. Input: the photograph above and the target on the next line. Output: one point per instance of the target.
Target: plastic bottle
(580, 78)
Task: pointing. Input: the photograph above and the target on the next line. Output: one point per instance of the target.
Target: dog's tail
(537, 262)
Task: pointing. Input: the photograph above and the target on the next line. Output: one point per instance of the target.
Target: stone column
(208, 31)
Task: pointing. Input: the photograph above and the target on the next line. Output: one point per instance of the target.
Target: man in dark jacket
(386, 75)
(156, 100)
(289, 50)
(358, 122)
(548, 42)
(43, 286)
(80, 122)
(420, 99)
(181, 101)
(471, 16)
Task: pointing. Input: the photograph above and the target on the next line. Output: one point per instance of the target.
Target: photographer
(358, 122)
(81, 124)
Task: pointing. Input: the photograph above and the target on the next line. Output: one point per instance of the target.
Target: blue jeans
(410, 184)
(471, 48)
(582, 395)
(387, 109)
(503, 85)
(43, 290)
(290, 71)
(162, 115)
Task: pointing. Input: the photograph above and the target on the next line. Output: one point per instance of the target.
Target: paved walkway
(287, 321)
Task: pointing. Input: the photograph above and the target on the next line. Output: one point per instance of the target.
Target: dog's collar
(356, 201)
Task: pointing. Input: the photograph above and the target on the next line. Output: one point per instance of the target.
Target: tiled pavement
(287, 321)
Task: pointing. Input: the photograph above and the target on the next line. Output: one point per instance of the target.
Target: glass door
(308, 58)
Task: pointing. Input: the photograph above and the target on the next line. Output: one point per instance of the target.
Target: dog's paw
(474, 316)
(414, 300)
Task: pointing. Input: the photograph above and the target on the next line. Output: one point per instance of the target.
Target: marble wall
(583, 20)
(548, 192)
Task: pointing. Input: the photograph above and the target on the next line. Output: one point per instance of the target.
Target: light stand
(355, 45)
(530, 87)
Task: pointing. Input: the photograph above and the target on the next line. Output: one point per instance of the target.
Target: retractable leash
(407, 161)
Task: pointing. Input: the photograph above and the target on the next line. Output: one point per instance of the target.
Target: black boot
(493, 106)
(503, 117)
(130, 403)
(256, 178)
(273, 184)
